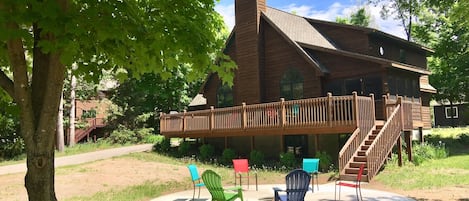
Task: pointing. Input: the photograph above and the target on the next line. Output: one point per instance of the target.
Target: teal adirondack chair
(213, 183)
(195, 178)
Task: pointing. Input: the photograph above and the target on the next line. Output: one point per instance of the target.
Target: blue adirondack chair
(195, 179)
(297, 182)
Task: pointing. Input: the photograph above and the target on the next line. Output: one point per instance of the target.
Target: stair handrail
(384, 141)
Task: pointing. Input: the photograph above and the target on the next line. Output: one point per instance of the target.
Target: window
(451, 112)
(224, 96)
(291, 85)
(402, 56)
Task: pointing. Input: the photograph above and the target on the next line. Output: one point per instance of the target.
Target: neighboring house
(93, 113)
(446, 115)
(287, 65)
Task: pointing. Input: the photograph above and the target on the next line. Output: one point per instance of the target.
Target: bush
(227, 156)
(11, 143)
(463, 138)
(325, 161)
(152, 139)
(207, 152)
(184, 148)
(426, 152)
(288, 160)
(162, 144)
(256, 158)
(123, 135)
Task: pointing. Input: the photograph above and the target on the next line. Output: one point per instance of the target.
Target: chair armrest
(276, 189)
(235, 188)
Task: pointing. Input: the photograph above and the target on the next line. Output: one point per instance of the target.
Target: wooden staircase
(359, 158)
(373, 148)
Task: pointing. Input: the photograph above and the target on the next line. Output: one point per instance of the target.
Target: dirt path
(94, 177)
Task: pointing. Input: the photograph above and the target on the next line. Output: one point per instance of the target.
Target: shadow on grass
(456, 145)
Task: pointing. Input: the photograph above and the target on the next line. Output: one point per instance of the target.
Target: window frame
(455, 114)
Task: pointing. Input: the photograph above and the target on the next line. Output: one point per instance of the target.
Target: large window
(224, 96)
(291, 85)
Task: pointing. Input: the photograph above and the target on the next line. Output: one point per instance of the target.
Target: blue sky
(321, 9)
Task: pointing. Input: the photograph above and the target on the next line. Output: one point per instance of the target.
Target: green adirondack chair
(213, 183)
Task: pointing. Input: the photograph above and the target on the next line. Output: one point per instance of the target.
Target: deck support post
(408, 141)
(399, 151)
(316, 143)
(421, 137)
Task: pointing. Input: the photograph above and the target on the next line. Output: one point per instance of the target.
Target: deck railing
(366, 122)
(386, 138)
(411, 106)
(324, 112)
(92, 123)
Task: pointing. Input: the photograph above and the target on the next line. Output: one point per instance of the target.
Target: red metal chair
(355, 184)
(241, 167)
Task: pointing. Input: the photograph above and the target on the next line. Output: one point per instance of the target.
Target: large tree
(40, 39)
(358, 18)
(402, 10)
(442, 27)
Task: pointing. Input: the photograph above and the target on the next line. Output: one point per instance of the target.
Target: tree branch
(7, 84)
(22, 94)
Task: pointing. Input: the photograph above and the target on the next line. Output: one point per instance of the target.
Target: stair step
(368, 142)
(359, 159)
(361, 153)
(364, 147)
(355, 171)
(372, 137)
(357, 164)
(352, 177)
(375, 132)
(379, 123)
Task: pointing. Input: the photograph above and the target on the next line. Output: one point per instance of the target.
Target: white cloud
(228, 13)
(389, 25)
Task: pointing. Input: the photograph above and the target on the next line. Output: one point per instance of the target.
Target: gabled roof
(297, 28)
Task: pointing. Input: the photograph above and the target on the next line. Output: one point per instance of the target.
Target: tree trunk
(39, 180)
(60, 125)
(73, 84)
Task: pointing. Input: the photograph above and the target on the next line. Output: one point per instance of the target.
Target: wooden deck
(369, 144)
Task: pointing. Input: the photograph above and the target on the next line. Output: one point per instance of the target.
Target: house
(304, 85)
(447, 115)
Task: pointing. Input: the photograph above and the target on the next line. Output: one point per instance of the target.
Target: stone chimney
(248, 86)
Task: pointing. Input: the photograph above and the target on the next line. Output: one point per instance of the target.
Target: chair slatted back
(297, 182)
(213, 183)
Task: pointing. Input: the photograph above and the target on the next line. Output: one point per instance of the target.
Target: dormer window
(381, 51)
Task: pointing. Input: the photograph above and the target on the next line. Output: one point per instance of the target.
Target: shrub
(11, 143)
(184, 148)
(207, 152)
(153, 139)
(325, 161)
(463, 138)
(427, 151)
(162, 144)
(288, 160)
(143, 133)
(256, 158)
(227, 156)
(122, 135)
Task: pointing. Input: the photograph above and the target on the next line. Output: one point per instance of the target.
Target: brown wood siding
(426, 114)
(279, 57)
(210, 92)
(392, 51)
(345, 39)
(344, 67)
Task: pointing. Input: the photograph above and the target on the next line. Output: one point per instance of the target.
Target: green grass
(436, 173)
(451, 171)
(145, 191)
